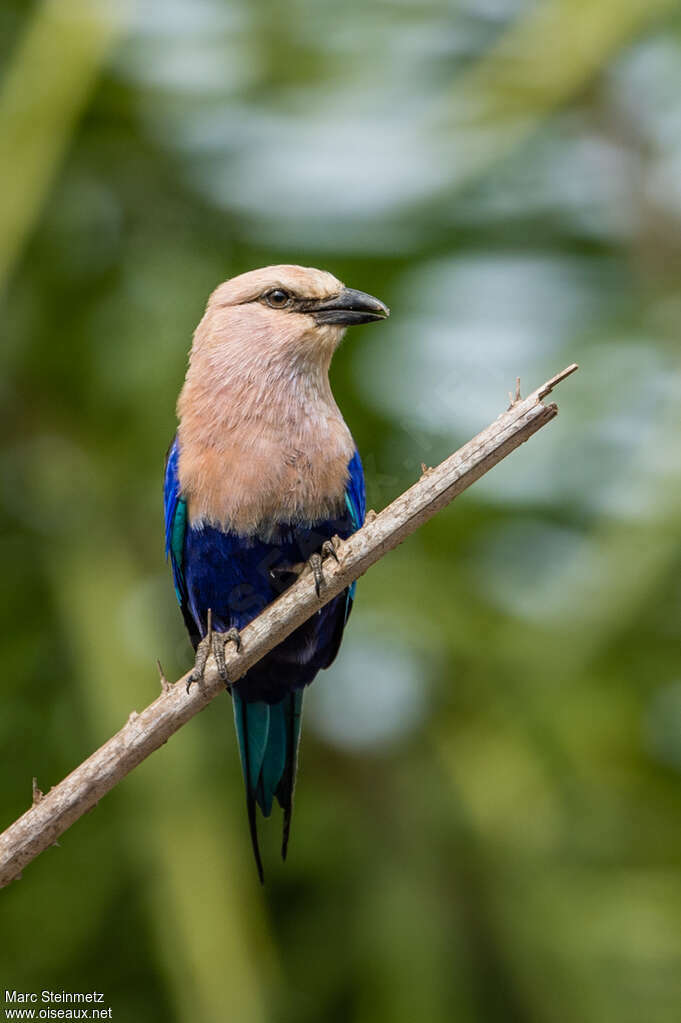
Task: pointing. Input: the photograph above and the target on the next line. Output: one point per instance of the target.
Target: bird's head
(296, 310)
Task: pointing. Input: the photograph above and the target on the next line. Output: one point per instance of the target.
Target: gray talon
(316, 566)
(199, 669)
(218, 647)
(233, 636)
(202, 652)
(329, 550)
(213, 643)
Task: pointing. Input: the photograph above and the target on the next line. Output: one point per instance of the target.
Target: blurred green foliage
(488, 822)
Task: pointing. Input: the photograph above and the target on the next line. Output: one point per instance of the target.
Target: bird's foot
(233, 636)
(220, 641)
(316, 562)
(199, 669)
(213, 643)
(329, 548)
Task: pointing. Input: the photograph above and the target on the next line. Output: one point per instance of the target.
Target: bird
(261, 479)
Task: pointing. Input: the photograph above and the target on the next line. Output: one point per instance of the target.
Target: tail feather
(242, 730)
(274, 763)
(268, 736)
(253, 729)
(294, 716)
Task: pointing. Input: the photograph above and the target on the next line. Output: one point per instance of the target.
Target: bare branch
(54, 812)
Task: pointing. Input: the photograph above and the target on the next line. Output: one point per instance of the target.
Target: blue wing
(175, 534)
(355, 500)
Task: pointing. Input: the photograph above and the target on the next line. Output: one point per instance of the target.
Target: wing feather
(175, 534)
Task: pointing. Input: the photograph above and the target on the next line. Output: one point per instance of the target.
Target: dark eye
(277, 298)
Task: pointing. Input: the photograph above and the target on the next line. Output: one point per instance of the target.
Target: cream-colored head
(290, 313)
(300, 281)
(261, 438)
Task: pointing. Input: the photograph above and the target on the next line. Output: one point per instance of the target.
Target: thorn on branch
(37, 792)
(165, 684)
(515, 398)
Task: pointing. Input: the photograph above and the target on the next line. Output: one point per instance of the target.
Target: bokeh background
(488, 818)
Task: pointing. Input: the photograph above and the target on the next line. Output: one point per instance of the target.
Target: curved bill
(348, 308)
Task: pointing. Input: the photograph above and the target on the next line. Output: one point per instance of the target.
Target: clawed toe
(232, 636)
(315, 564)
(213, 643)
(316, 561)
(199, 669)
(329, 550)
(218, 650)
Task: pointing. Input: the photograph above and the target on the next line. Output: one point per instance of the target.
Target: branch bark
(55, 811)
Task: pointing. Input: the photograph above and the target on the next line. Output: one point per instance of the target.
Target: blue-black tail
(268, 735)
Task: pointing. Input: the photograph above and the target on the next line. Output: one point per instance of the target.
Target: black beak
(348, 308)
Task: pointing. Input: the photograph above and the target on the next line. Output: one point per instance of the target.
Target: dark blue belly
(238, 577)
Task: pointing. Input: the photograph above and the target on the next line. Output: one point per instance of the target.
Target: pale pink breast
(261, 438)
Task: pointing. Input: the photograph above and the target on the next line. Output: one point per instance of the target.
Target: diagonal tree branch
(55, 811)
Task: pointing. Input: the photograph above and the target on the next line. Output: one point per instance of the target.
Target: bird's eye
(277, 298)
